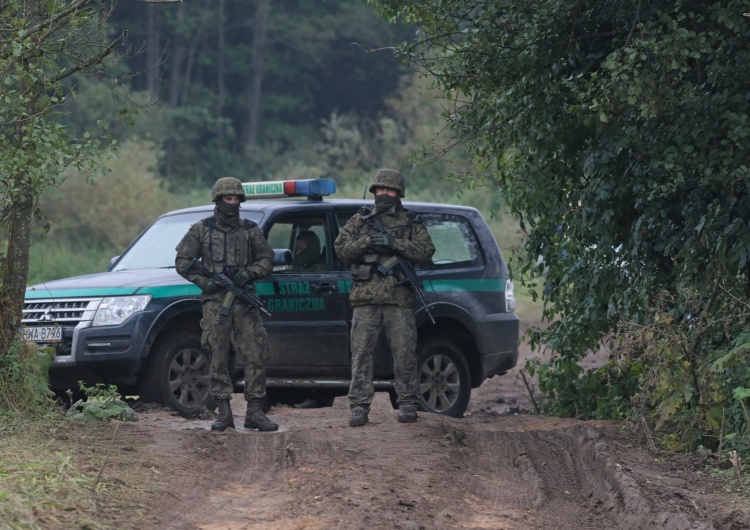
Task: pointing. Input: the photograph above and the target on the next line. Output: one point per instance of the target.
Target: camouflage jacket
(220, 246)
(412, 243)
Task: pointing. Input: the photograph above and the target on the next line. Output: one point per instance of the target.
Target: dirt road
(489, 470)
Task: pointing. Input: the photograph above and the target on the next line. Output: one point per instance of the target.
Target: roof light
(313, 188)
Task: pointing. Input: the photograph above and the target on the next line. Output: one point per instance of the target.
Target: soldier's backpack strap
(411, 218)
(210, 223)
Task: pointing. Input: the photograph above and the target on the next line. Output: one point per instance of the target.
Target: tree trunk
(153, 52)
(15, 270)
(14, 266)
(256, 69)
(220, 86)
(178, 52)
(192, 51)
(175, 78)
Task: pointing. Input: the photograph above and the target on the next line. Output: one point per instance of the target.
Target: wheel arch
(180, 316)
(458, 333)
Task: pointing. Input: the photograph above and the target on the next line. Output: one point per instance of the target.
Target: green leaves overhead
(623, 123)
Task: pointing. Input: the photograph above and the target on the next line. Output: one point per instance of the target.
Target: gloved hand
(380, 240)
(209, 286)
(243, 276)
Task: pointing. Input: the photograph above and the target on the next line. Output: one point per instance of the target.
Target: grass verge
(60, 474)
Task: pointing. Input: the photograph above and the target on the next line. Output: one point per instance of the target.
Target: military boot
(407, 414)
(225, 419)
(359, 417)
(255, 418)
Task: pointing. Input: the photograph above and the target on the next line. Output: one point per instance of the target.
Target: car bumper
(110, 354)
(500, 336)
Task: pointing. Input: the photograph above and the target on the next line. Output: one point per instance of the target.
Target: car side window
(306, 237)
(456, 244)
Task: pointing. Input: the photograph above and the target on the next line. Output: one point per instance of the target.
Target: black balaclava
(226, 213)
(384, 202)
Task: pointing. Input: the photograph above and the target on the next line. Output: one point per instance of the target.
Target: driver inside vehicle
(307, 256)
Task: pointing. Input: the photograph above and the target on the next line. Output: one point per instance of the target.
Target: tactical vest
(227, 249)
(372, 262)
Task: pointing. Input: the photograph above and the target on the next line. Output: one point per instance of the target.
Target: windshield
(155, 248)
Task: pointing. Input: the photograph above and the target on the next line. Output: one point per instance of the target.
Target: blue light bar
(313, 188)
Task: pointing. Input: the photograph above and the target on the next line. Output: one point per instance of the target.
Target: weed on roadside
(102, 403)
(61, 474)
(24, 383)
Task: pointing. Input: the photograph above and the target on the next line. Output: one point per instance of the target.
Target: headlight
(116, 309)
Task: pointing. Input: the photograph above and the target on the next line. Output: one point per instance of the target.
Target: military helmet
(389, 179)
(227, 186)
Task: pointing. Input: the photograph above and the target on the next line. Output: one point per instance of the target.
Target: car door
(308, 330)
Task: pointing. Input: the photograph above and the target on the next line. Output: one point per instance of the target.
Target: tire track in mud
(559, 488)
(513, 472)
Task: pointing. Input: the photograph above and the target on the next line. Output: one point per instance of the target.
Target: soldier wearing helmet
(381, 300)
(237, 247)
(389, 179)
(228, 187)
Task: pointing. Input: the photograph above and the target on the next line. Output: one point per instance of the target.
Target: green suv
(137, 325)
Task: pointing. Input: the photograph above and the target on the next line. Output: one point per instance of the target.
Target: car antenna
(364, 192)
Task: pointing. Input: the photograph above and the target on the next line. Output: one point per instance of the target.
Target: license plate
(43, 334)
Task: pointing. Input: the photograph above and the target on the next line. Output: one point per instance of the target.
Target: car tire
(443, 375)
(178, 375)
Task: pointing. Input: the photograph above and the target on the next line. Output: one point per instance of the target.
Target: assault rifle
(233, 290)
(397, 259)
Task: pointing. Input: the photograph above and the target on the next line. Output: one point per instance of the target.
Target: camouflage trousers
(400, 330)
(243, 332)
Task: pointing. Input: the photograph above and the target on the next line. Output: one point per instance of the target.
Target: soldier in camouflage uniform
(237, 247)
(383, 301)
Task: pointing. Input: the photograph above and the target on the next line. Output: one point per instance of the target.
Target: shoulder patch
(209, 221)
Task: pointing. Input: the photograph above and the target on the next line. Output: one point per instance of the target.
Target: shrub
(24, 380)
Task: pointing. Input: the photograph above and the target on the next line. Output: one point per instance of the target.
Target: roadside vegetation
(619, 133)
(58, 472)
(610, 140)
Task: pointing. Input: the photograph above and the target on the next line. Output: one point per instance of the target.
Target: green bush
(102, 403)
(24, 380)
(603, 393)
(686, 371)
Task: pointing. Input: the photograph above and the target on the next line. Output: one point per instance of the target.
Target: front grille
(62, 311)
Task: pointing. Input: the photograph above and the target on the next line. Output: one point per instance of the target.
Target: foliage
(37, 150)
(619, 133)
(695, 379)
(24, 380)
(319, 59)
(92, 221)
(350, 148)
(603, 393)
(56, 474)
(101, 403)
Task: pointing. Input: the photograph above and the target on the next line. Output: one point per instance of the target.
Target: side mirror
(112, 263)
(282, 260)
